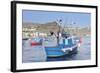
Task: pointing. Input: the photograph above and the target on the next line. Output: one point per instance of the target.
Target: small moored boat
(36, 41)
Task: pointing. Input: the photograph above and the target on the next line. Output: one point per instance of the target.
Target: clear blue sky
(80, 19)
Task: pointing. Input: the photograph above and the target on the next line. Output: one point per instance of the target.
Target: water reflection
(37, 54)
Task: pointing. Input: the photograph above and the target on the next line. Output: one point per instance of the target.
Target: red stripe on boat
(34, 44)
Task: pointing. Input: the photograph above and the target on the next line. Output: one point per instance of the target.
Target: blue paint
(57, 50)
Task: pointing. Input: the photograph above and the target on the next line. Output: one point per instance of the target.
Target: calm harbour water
(38, 54)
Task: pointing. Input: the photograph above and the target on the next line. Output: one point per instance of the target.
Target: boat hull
(35, 44)
(58, 52)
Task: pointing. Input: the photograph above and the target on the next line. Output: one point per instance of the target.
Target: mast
(59, 27)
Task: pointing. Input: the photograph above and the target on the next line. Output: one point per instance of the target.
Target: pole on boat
(59, 27)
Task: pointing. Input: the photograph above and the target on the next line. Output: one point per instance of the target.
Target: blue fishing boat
(65, 46)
